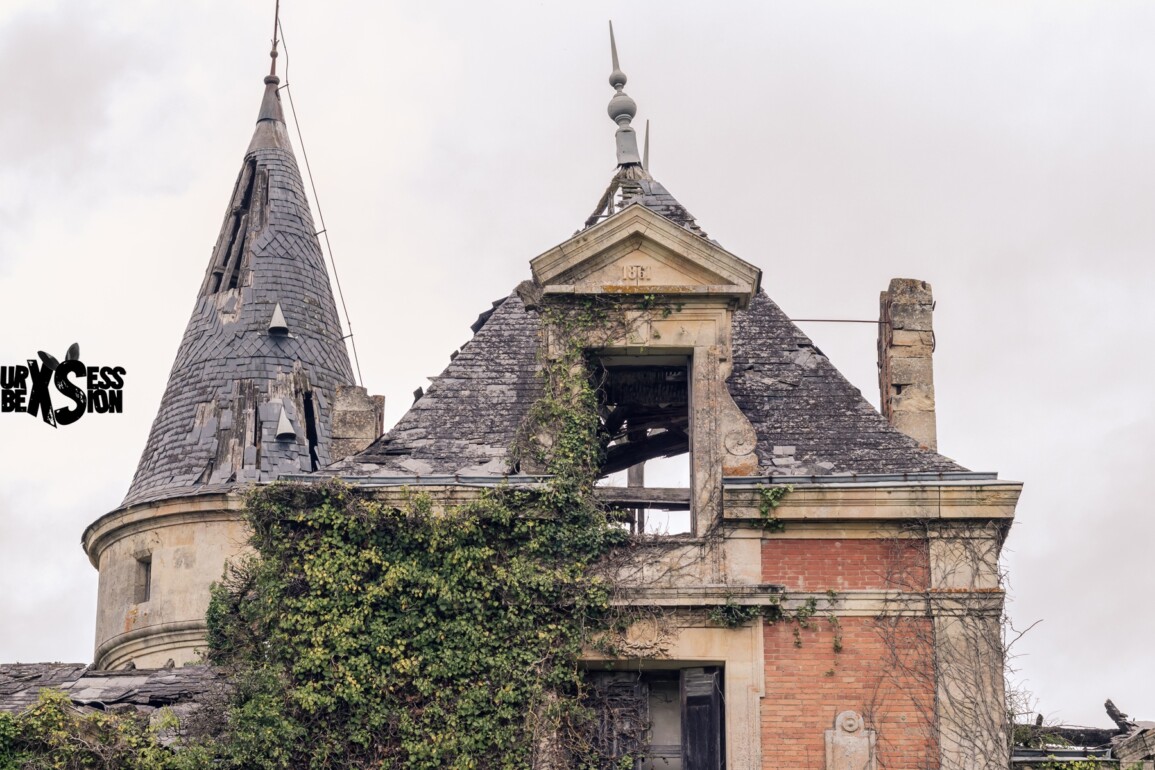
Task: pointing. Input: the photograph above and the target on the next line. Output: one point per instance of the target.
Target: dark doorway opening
(664, 719)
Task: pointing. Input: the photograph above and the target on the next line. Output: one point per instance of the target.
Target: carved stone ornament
(850, 745)
(649, 637)
(738, 438)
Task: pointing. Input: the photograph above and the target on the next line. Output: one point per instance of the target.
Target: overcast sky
(1005, 152)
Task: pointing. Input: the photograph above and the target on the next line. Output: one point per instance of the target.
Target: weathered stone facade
(878, 581)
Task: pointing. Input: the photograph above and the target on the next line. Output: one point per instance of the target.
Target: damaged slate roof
(633, 184)
(233, 378)
(144, 689)
(808, 418)
(466, 421)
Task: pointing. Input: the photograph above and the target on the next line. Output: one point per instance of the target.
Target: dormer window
(674, 293)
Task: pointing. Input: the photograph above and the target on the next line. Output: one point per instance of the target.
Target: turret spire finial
(617, 77)
(276, 27)
(622, 110)
(270, 131)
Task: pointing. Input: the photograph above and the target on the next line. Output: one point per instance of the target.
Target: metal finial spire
(270, 131)
(622, 110)
(646, 148)
(617, 77)
(273, 53)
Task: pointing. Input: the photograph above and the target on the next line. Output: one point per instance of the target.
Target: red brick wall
(883, 672)
(845, 564)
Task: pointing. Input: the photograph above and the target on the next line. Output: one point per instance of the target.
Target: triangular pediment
(638, 251)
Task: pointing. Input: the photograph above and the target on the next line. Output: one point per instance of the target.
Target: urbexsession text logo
(26, 388)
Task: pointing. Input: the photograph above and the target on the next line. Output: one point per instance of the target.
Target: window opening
(311, 429)
(142, 588)
(645, 425)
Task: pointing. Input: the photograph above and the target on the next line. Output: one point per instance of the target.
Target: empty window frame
(644, 406)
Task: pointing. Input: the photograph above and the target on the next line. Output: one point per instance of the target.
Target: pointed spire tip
(617, 77)
(621, 110)
(646, 148)
(273, 52)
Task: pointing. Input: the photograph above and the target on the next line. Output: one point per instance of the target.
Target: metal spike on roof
(271, 131)
(622, 110)
(277, 326)
(276, 26)
(646, 148)
(285, 431)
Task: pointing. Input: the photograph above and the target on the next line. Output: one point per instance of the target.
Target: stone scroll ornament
(850, 745)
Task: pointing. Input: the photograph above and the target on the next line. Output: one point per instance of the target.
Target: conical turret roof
(241, 376)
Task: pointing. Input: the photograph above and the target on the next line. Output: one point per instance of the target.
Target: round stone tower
(250, 397)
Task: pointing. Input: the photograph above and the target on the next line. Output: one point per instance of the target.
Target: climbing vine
(364, 631)
(769, 498)
(405, 634)
(732, 615)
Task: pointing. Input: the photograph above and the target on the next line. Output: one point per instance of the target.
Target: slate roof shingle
(21, 683)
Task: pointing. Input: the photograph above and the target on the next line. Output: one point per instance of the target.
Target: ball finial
(622, 110)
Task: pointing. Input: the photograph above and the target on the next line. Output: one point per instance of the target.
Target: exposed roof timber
(630, 453)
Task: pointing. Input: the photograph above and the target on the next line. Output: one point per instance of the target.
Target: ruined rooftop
(142, 690)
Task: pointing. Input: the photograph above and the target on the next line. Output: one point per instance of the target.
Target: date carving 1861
(635, 272)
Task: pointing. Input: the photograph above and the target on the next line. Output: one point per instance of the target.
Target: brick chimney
(905, 345)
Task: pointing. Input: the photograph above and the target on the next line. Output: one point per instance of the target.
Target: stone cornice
(878, 502)
(143, 517)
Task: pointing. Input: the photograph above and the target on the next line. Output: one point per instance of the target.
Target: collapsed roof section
(144, 690)
(466, 422)
(631, 184)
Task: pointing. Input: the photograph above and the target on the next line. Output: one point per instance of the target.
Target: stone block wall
(905, 370)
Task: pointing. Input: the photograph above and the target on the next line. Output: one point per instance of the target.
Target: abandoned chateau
(878, 555)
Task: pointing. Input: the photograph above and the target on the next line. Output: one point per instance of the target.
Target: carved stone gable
(639, 252)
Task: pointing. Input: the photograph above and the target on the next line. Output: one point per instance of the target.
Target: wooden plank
(674, 498)
(703, 745)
